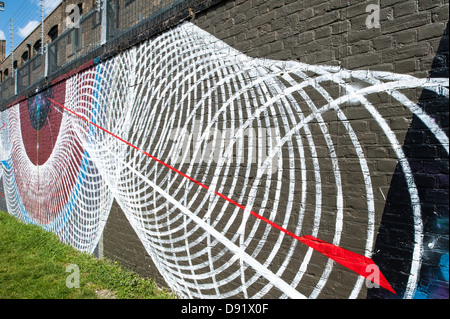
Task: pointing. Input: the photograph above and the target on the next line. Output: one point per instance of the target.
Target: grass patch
(33, 264)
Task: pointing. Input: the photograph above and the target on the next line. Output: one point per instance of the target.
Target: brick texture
(332, 32)
(412, 38)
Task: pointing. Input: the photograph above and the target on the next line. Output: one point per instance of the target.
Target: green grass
(33, 264)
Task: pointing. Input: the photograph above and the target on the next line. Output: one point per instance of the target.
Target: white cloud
(26, 30)
(2, 35)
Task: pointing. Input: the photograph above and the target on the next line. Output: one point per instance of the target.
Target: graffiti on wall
(48, 178)
(428, 161)
(224, 165)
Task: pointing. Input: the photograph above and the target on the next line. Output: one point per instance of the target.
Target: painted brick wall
(334, 33)
(369, 176)
(412, 39)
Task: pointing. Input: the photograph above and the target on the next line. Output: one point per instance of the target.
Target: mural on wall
(234, 172)
(428, 161)
(48, 178)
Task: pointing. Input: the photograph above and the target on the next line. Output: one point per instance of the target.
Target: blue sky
(26, 16)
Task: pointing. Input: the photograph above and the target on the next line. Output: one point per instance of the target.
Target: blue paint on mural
(444, 266)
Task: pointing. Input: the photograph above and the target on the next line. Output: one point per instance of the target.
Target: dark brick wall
(334, 33)
(121, 244)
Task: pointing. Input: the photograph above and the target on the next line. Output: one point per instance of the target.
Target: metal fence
(124, 15)
(104, 24)
(31, 72)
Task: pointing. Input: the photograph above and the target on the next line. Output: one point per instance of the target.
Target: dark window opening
(25, 57)
(37, 47)
(53, 33)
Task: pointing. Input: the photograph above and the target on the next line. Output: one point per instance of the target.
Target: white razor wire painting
(229, 168)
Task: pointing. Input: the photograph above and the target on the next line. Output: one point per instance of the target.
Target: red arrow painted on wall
(360, 264)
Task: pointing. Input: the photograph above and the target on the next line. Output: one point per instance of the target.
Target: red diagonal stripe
(358, 263)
